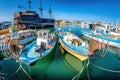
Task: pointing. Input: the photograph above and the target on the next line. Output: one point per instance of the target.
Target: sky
(107, 11)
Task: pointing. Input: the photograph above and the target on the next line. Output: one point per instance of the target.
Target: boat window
(45, 34)
(97, 31)
(40, 34)
(101, 31)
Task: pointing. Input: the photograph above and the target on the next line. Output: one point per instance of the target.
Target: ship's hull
(72, 61)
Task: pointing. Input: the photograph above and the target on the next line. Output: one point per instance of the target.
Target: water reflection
(64, 66)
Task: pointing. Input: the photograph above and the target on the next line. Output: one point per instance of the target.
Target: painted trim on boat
(78, 55)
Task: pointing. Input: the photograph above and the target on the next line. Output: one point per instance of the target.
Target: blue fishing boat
(44, 45)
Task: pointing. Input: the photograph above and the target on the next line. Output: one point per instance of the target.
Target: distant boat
(103, 36)
(4, 25)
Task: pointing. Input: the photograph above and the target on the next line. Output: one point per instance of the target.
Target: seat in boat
(42, 48)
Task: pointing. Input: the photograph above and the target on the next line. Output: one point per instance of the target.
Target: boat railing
(117, 40)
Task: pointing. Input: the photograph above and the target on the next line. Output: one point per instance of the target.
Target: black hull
(38, 27)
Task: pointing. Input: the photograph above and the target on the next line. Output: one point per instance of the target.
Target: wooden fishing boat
(76, 52)
(25, 37)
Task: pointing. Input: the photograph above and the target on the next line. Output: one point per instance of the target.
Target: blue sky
(86, 10)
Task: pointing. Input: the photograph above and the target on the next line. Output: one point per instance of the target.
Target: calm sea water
(107, 67)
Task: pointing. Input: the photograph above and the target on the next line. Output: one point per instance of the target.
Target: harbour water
(102, 68)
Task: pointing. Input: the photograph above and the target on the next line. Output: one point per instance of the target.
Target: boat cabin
(45, 38)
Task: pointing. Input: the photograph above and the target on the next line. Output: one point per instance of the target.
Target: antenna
(117, 21)
(41, 9)
(29, 3)
(50, 11)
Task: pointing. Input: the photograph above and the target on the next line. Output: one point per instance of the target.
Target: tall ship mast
(30, 19)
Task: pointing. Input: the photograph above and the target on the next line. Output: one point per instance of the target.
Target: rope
(88, 70)
(30, 70)
(105, 51)
(79, 74)
(20, 67)
(109, 70)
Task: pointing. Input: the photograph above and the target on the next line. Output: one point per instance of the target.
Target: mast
(41, 9)
(50, 11)
(29, 4)
(117, 25)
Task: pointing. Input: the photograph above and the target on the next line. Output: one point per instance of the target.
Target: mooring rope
(88, 70)
(79, 74)
(109, 70)
(105, 51)
(29, 70)
(19, 68)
